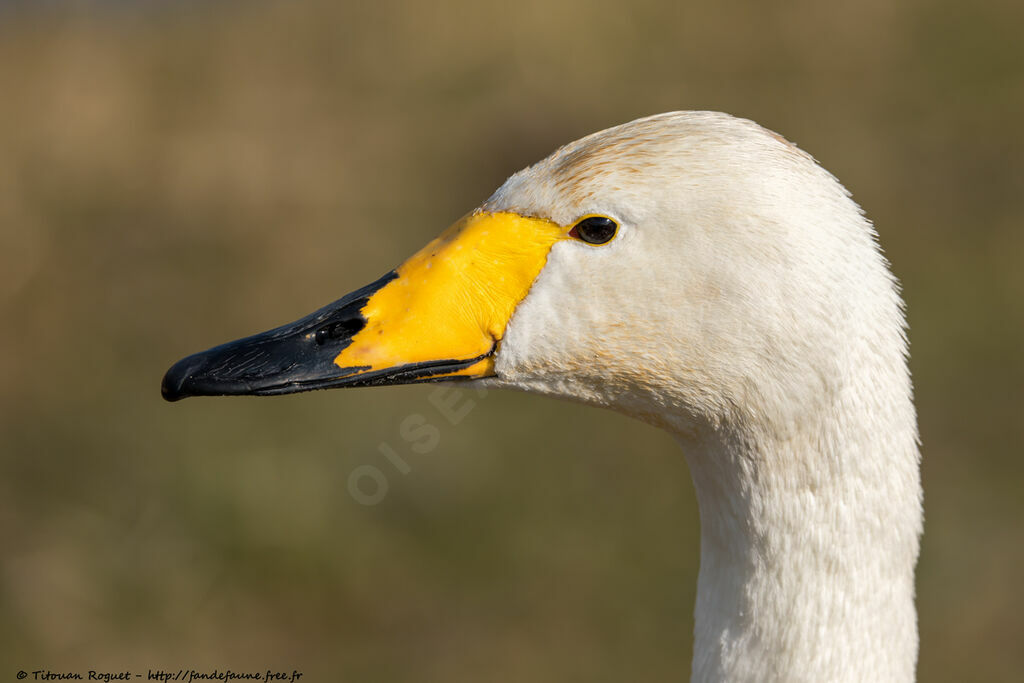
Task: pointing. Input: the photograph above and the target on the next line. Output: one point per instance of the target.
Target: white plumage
(743, 305)
(746, 308)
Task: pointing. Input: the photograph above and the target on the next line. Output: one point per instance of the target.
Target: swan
(702, 274)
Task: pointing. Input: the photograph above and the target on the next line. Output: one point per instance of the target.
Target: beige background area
(177, 174)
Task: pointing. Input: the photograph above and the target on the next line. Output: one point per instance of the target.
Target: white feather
(745, 307)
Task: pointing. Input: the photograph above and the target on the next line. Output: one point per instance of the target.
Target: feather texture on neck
(745, 306)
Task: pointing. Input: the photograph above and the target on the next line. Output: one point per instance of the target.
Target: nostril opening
(339, 330)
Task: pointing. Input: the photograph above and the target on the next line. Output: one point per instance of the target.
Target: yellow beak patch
(453, 299)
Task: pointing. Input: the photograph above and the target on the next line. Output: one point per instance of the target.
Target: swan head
(691, 269)
(701, 273)
(740, 286)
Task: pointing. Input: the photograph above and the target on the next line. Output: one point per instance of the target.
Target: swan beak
(441, 315)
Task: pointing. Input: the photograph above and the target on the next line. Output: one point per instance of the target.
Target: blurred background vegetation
(177, 174)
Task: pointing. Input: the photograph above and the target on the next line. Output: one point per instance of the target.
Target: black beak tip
(295, 357)
(176, 385)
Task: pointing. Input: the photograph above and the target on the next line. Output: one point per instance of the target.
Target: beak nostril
(342, 329)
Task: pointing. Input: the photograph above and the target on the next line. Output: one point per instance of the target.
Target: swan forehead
(627, 170)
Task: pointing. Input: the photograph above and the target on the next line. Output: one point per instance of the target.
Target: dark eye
(594, 229)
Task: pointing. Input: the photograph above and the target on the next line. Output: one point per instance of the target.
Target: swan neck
(808, 547)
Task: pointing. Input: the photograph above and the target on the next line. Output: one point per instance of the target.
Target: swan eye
(594, 230)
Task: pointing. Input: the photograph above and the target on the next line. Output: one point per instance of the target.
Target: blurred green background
(177, 174)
